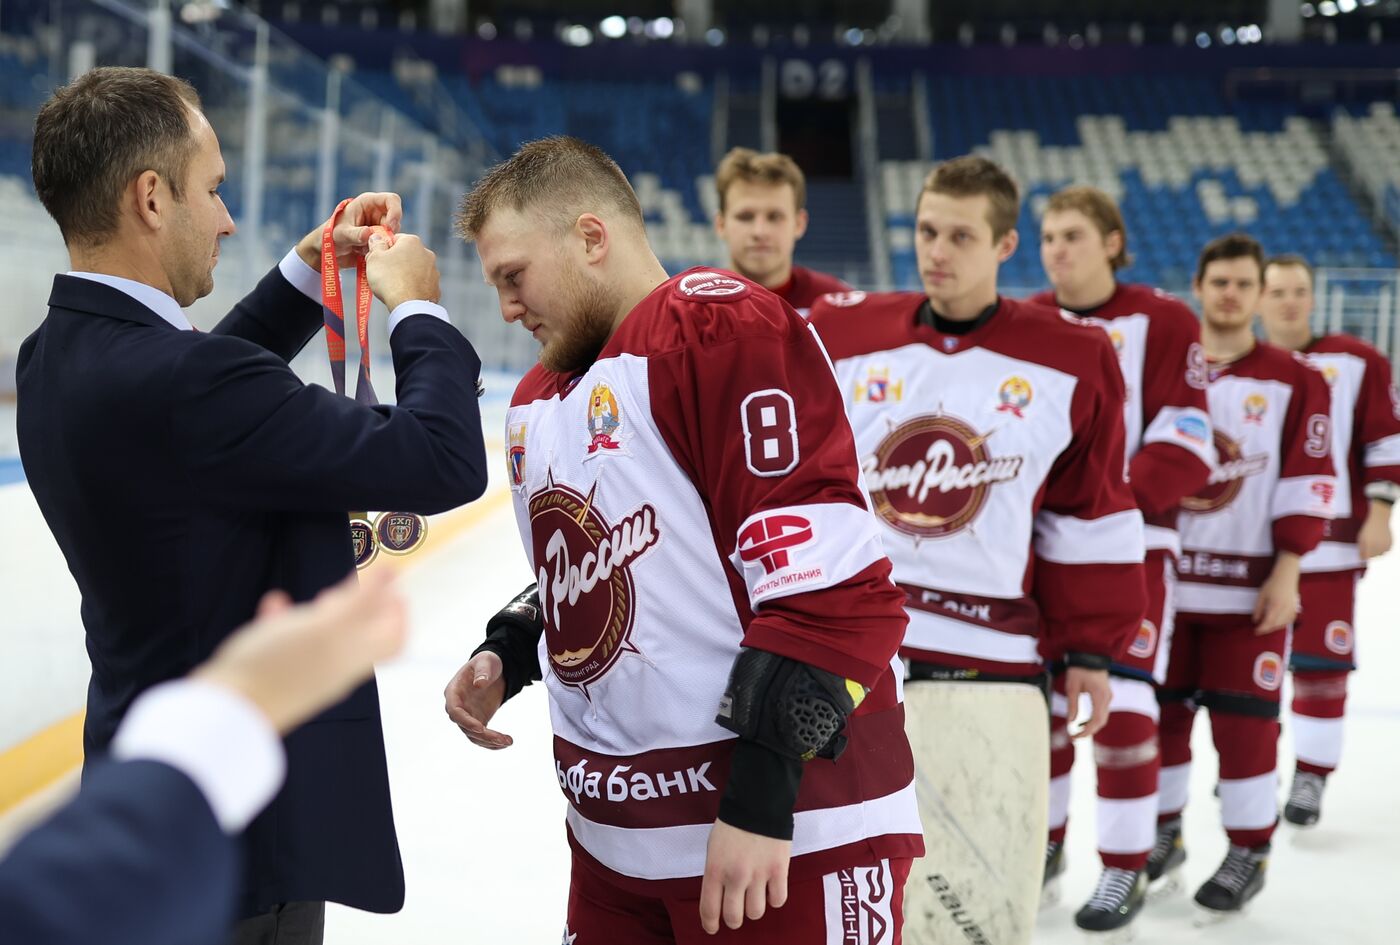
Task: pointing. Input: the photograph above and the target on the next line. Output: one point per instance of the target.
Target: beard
(591, 311)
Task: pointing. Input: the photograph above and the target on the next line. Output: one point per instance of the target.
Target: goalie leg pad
(796, 710)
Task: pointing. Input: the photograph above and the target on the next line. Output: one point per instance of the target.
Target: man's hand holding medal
(363, 233)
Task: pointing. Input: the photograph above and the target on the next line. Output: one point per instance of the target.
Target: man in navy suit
(184, 474)
(143, 855)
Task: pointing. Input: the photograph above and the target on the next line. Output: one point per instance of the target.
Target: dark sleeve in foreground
(136, 858)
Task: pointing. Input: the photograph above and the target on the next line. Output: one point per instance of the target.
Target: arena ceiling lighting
(661, 28)
(613, 27)
(577, 35)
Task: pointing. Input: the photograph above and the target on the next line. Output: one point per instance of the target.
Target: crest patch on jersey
(711, 285)
(604, 421)
(1255, 406)
(1015, 395)
(1337, 637)
(878, 388)
(1268, 671)
(515, 454)
(1115, 338)
(1145, 642)
(930, 477)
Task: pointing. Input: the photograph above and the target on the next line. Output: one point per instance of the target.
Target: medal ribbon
(332, 309)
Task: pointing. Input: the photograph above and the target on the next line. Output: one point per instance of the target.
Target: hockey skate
(1238, 880)
(1304, 805)
(1109, 912)
(1054, 869)
(1164, 862)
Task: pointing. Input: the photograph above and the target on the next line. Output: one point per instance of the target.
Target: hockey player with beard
(1083, 242)
(686, 487)
(1366, 454)
(1242, 539)
(991, 437)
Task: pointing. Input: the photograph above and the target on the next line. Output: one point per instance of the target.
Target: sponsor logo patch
(1192, 428)
(844, 299)
(711, 285)
(1338, 638)
(1268, 671)
(773, 541)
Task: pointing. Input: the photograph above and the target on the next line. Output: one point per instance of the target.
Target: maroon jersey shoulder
(1058, 339)
(704, 307)
(1341, 343)
(1271, 363)
(1046, 298)
(537, 384)
(854, 323)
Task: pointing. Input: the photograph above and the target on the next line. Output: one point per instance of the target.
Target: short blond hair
(751, 167)
(1102, 211)
(561, 176)
(971, 176)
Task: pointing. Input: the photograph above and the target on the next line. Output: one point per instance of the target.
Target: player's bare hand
(1278, 601)
(745, 873)
(403, 272)
(1094, 684)
(1375, 538)
(472, 698)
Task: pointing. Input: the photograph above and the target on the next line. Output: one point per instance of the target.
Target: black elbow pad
(789, 707)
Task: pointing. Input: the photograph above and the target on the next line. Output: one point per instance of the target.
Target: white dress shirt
(294, 269)
(216, 737)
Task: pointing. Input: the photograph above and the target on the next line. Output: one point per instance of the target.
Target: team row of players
(1090, 480)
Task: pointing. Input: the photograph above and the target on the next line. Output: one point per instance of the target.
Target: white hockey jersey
(1272, 489)
(695, 490)
(1365, 440)
(995, 462)
(1170, 449)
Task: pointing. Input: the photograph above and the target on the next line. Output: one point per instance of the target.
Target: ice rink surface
(482, 832)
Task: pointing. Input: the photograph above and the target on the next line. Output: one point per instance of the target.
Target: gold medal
(400, 533)
(363, 545)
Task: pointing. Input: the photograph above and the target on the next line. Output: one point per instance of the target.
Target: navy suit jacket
(184, 474)
(136, 858)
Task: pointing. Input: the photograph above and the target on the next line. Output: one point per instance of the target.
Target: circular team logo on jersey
(930, 476)
(1268, 671)
(710, 285)
(1226, 479)
(1145, 643)
(585, 579)
(1338, 638)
